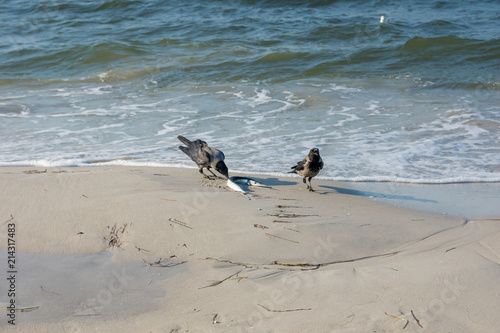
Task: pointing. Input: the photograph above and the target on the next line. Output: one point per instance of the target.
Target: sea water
(413, 99)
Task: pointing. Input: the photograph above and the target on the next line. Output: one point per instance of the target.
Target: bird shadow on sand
(274, 182)
(375, 194)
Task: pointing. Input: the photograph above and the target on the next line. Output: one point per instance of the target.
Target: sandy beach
(144, 249)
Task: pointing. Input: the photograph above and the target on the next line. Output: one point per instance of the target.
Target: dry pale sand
(139, 249)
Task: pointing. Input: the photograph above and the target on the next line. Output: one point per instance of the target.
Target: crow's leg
(206, 176)
(208, 168)
(310, 185)
(305, 182)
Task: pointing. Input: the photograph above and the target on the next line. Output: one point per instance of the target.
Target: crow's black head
(314, 152)
(222, 169)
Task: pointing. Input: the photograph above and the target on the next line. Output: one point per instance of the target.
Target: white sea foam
(363, 134)
(125, 162)
(339, 87)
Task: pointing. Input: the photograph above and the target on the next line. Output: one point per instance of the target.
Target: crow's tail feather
(184, 140)
(185, 150)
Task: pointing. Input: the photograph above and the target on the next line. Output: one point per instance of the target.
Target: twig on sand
(407, 321)
(219, 282)
(49, 292)
(139, 249)
(179, 223)
(418, 321)
(114, 236)
(309, 266)
(159, 264)
(230, 262)
(239, 278)
(290, 310)
(286, 215)
(274, 263)
(394, 316)
(283, 206)
(29, 172)
(260, 226)
(28, 308)
(305, 266)
(9, 220)
(20, 309)
(274, 236)
(278, 221)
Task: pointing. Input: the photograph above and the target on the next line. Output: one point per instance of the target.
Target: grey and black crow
(204, 156)
(309, 167)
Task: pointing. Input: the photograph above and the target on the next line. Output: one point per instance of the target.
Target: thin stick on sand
(290, 310)
(308, 266)
(278, 221)
(159, 264)
(407, 321)
(286, 215)
(114, 236)
(305, 266)
(21, 309)
(274, 236)
(179, 223)
(219, 282)
(139, 249)
(418, 321)
(394, 316)
(49, 292)
(230, 262)
(29, 172)
(9, 220)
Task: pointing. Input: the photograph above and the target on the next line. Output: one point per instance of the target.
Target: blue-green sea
(414, 98)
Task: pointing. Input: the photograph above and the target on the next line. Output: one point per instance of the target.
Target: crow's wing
(300, 165)
(214, 153)
(197, 152)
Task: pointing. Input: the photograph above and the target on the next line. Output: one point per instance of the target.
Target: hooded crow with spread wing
(204, 156)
